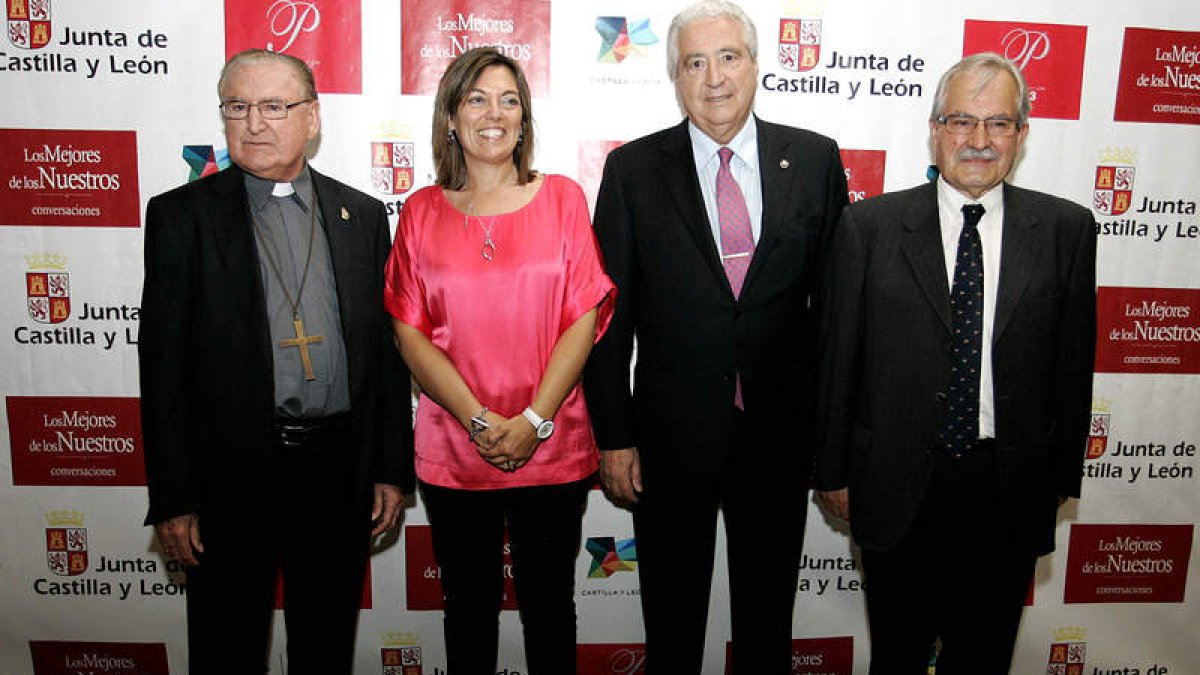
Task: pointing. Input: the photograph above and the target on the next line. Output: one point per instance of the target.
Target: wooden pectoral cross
(302, 341)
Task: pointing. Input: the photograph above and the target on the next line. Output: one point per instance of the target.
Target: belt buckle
(293, 435)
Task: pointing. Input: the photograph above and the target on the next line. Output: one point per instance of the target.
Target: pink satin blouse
(498, 321)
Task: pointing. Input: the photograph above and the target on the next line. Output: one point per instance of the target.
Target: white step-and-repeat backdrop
(106, 104)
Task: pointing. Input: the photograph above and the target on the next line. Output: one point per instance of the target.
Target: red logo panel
(1160, 77)
(326, 34)
(592, 155)
(611, 659)
(799, 44)
(1113, 189)
(1147, 330)
(823, 656)
(67, 550)
(68, 177)
(1049, 55)
(29, 24)
(423, 576)
(814, 656)
(864, 172)
(1127, 563)
(72, 658)
(392, 169)
(434, 32)
(48, 295)
(75, 440)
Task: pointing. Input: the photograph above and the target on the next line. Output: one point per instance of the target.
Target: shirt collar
(953, 200)
(744, 144)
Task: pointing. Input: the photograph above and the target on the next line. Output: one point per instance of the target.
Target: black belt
(301, 432)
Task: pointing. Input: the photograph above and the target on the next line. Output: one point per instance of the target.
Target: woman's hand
(507, 444)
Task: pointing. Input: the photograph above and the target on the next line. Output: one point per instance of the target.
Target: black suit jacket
(206, 357)
(693, 336)
(885, 360)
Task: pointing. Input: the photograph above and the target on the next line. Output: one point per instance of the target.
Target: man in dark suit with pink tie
(715, 232)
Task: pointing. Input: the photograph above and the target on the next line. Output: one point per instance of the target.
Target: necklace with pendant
(301, 340)
(488, 249)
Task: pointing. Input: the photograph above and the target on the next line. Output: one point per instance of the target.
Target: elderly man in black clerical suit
(274, 405)
(715, 232)
(956, 382)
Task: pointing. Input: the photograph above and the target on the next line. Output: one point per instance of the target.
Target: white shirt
(991, 227)
(744, 167)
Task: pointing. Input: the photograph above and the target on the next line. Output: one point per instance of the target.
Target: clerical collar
(259, 190)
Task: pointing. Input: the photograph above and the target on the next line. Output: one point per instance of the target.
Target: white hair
(702, 10)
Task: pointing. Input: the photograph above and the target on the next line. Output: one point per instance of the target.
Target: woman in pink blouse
(498, 293)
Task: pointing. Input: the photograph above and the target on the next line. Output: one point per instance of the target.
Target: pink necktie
(737, 241)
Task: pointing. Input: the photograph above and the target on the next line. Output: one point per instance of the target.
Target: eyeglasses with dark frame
(270, 109)
(962, 124)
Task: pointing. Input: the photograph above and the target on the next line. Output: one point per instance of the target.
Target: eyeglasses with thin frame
(962, 124)
(270, 109)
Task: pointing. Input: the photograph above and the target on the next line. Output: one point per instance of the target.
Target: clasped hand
(507, 443)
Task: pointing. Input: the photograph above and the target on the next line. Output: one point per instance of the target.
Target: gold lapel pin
(783, 164)
(345, 214)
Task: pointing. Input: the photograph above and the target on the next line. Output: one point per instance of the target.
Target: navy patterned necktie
(961, 429)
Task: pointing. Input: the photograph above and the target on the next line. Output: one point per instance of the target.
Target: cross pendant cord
(301, 340)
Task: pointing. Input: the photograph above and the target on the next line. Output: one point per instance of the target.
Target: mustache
(977, 153)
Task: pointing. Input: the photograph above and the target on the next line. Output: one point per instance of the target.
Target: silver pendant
(488, 249)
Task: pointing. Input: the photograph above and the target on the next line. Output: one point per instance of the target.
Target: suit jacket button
(940, 397)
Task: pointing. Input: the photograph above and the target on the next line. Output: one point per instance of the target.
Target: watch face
(545, 429)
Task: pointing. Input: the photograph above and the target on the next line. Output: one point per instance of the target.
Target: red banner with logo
(423, 576)
(1147, 330)
(1160, 77)
(1049, 55)
(75, 440)
(325, 34)
(864, 172)
(69, 177)
(434, 32)
(611, 659)
(1128, 563)
(73, 658)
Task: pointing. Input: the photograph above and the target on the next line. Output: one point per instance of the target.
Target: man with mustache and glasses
(957, 351)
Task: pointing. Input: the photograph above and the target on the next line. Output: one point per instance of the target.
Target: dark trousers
(312, 532)
(545, 526)
(955, 577)
(763, 499)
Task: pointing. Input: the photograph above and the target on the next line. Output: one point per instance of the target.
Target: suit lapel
(921, 242)
(1016, 257)
(774, 162)
(337, 222)
(233, 232)
(340, 222)
(678, 172)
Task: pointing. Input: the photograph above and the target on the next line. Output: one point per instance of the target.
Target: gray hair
(708, 9)
(987, 65)
(299, 68)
